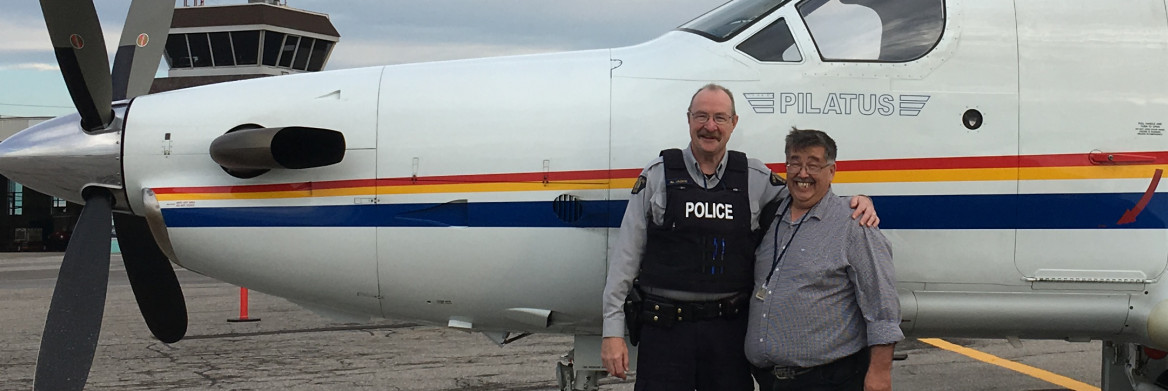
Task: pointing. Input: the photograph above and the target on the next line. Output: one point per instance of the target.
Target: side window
(874, 30)
(773, 43)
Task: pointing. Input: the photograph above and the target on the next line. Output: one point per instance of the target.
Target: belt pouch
(633, 312)
(659, 313)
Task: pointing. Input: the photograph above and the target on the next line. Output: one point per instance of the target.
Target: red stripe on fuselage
(975, 162)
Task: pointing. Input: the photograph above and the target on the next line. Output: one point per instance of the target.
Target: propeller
(155, 286)
(80, 49)
(74, 319)
(143, 39)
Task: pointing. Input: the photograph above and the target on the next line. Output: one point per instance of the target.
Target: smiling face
(809, 176)
(708, 138)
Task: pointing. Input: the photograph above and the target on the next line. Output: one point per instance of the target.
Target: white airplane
(1013, 148)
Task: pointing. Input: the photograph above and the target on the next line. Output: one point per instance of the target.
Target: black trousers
(705, 355)
(845, 374)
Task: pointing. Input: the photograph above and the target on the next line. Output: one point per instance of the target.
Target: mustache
(705, 133)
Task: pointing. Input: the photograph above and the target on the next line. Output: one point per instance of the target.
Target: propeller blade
(80, 49)
(156, 288)
(140, 50)
(74, 320)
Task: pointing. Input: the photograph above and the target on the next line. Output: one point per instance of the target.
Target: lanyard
(775, 263)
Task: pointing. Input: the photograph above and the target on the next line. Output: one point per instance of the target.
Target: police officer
(687, 238)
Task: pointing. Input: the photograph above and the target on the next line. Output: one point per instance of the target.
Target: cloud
(23, 35)
(401, 31)
(26, 44)
(579, 25)
(36, 66)
(360, 53)
(380, 32)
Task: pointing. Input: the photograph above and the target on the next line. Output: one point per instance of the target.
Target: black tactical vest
(705, 243)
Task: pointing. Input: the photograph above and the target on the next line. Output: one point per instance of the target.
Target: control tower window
(272, 44)
(874, 30)
(200, 49)
(288, 50)
(221, 49)
(774, 44)
(320, 53)
(302, 53)
(247, 47)
(178, 54)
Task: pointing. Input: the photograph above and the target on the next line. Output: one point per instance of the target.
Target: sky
(373, 32)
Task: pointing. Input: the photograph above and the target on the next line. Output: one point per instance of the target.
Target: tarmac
(293, 349)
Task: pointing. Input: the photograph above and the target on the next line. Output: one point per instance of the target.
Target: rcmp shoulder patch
(640, 185)
(777, 180)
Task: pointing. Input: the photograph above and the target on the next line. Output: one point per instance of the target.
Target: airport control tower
(215, 44)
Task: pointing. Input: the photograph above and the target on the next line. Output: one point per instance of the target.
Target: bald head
(714, 87)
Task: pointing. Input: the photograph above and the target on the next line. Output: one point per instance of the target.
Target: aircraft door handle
(1100, 157)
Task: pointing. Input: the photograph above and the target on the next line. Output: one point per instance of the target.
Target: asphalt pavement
(293, 349)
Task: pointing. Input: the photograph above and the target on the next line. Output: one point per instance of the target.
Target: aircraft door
(1092, 142)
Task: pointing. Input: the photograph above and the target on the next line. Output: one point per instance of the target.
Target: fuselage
(1016, 181)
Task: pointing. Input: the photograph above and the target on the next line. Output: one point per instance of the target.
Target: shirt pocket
(657, 207)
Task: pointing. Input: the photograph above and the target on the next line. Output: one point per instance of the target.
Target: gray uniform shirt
(624, 261)
(832, 293)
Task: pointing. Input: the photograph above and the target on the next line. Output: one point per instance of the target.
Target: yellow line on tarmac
(1004, 363)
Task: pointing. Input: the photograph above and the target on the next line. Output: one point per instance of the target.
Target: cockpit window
(874, 30)
(773, 44)
(726, 21)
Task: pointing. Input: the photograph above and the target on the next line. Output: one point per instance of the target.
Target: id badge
(761, 293)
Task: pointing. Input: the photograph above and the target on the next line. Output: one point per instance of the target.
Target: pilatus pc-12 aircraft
(1014, 150)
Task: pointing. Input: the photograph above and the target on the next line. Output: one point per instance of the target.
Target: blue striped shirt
(832, 294)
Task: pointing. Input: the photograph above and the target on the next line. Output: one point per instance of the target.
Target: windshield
(725, 21)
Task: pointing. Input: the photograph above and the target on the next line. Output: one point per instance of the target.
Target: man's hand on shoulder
(865, 210)
(615, 356)
(777, 180)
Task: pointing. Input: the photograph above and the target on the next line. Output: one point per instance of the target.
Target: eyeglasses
(812, 169)
(720, 119)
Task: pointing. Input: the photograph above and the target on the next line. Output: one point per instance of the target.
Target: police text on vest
(709, 210)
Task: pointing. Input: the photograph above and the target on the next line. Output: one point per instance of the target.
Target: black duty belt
(664, 312)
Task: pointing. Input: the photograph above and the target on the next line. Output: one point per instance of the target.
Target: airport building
(206, 45)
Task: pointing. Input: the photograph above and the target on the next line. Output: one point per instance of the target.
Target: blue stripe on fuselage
(1028, 211)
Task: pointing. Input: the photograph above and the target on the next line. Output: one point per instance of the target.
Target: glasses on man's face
(812, 169)
(700, 117)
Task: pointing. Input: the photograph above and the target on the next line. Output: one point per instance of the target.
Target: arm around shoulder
(865, 210)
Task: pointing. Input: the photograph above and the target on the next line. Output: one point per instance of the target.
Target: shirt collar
(695, 171)
(818, 209)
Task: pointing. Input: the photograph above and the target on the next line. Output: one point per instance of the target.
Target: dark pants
(705, 355)
(845, 374)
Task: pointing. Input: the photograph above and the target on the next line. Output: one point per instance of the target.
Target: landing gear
(580, 369)
(1128, 367)
(572, 380)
